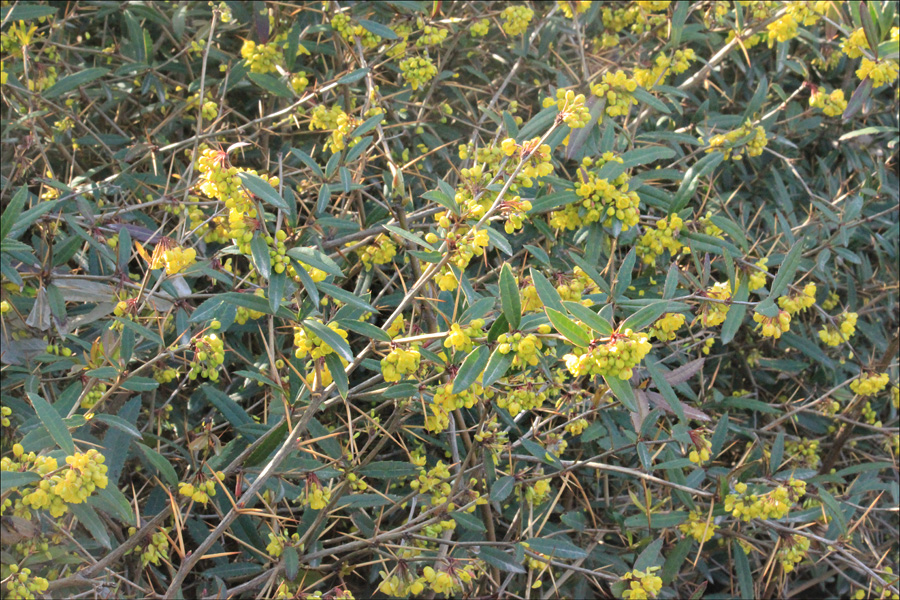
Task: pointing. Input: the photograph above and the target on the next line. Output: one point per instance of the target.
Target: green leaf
(742, 567)
(12, 212)
(468, 521)
(650, 100)
(443, 199)
(408, 235)
(649, 154)
(12, 480)
(556, 548)
(26, 12)
(291, 562)
(736, 312)
(261, 259)
(317, 259)
(565, 326)
(307, 160)
(589, 318)
(546, 292)
(277, 282)
(70, 82)
(664, 387)
(647, 315)
(53, 422)
(623, 277)
(389, 469)
(262, 190)
(230, 409)
(787, 270)
(365, 329)
(623, 391)
(502, 488)
(692, 179)
(500, 559)
(858, 99)
(327, 335)
(119, 423)
(470, 369)
(509, 297)
(367, 125)
(160, 463)
(345, 297)
(649, 557)
(353, 76)
(271, 84)
(338, 374)
(496, 367)
(92, 523)
(366, 500)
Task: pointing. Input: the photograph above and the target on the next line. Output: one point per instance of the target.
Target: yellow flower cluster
(480, 28)
(758, 276)
(72, 485)
(538, 492)
(832, 104)
(855, 43)
(642, 585)
(774, 326)
(663, 66)
(397, 327)
(299, 82)
(581, 7)
(209, 353)
(792, 551)
(615, 358)
(526, 348)
(714, 313)
(157, 547)
(400, 362)
(466, 244)
(831, 301)
(316, 495)
(339, 122)
(461, 339)
(432, 35)
(173, 258)
(797, 303)
(434, 481)
(524, 397)
(735, 143)
(571, 108)
(202, 491)
(380, 252)
(698, 527)
(418, 70)
(342, 23)
(449, 581)
(308, 343)
(262, 58)
(20, 585)
(774, 504)
(664, 237)
(602, 200)
(445, 402)
(616, 88)
(665, 327)
(516, 19)
(880, 72)
(701, 452)
(869, 384)
(277, 542)
(5, 411)
(834, 336)
(804, 450)
(245, 314)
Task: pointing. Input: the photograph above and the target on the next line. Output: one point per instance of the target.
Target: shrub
(333, 300)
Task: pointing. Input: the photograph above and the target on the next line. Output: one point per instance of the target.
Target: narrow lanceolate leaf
(786, 271)
(692, 179)
(556, 548)
(502, 488)
(327, 335)
(500, 559)
(415, 239)
(53, 422)
(12, 212)
(546, 292)
(664, 387)
(70, 82)
(509, 297)
(13, 479)
(623, 277)
(470, 369)
(496, 367)
(646, 315)
(470, 522)
(159, 463)
(317, 259)
(623, 392)
(261, 259)
(589, 317)
(568, 328)
(262, 190)
(345, 296)
(341, 381)
(736, 313)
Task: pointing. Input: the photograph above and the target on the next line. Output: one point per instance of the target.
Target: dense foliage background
(482, 299)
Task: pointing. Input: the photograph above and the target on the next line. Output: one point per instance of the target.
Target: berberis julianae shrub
(449, 299)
